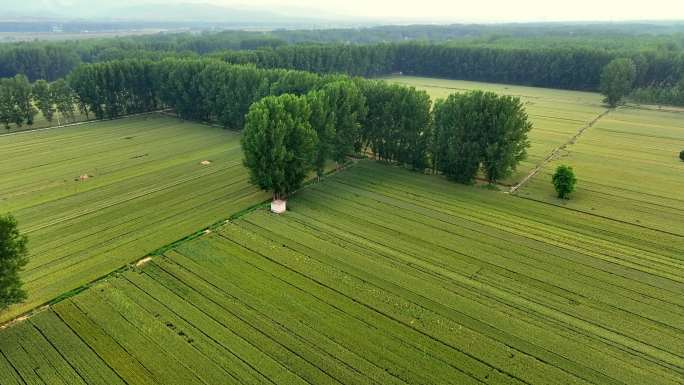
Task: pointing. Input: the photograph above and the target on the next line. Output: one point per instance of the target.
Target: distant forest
(566, 56)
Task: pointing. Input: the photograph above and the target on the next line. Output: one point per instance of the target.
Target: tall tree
(9, 110)
(457, 141)
(44, 99)
(12, 260)
(347, 105)
(24, 99)
(505, 142)
(477, 130)
(397, 125)
(617, 79)
(65, 99)
(279, 143)
(323, 122)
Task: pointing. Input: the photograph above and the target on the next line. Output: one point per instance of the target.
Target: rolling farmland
(378, 275)
(628, 169)
(94, 197)
(557, 114)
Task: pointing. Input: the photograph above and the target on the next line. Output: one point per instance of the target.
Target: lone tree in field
(681, 155)
(279, 144)
(12, 259)
(617, 79)
(564, 181)
(479, 131)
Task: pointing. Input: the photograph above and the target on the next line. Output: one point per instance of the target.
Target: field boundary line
(143, 260)
(554, 154)
(161, 112)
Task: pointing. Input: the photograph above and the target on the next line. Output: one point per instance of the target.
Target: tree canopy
(564, 181)
(617, 79)
(347, 107)
(476, 131)
(12, 259)
(278, 143)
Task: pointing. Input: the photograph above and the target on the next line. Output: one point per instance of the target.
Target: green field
(145, 189)
(628, 168)
(378, 275)
(557, 115)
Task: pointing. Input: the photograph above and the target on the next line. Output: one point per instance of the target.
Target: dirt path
(554, 154)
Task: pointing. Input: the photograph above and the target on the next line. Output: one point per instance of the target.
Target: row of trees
(551, 61)
(16, 102)
(479, 132)
(567, 68)
(462, 136)
(197, 89)
(660, 94)
(20, 101)
(288, 136)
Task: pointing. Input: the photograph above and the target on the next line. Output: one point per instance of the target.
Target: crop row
(146, 188)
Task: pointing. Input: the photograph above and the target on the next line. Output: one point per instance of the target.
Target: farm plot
(628, 169)
(379, 275)
(557, 115)
(94, 197)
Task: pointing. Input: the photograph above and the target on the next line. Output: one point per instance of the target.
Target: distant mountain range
(126, 10)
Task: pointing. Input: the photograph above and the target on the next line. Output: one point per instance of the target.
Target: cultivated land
(378, 275)
(628, 167)
(145, 189)
(558, 115)
(375, 275)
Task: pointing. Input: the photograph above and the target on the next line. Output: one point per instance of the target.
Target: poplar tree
(279, 144)
(13, 257)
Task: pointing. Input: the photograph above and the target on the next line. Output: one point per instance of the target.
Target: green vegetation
(279, 144)
(16, 104)
(347, 107)
(617, 79)
(12, 260)
(557, 115)
(97, 196)
(564, 181)
(378, 275)
(398, 125)
(479, 131)
(629, 169)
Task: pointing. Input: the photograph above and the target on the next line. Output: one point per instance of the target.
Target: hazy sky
(494, 10)
(414, 10)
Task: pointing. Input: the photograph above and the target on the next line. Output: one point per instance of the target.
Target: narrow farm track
(628, 170)
(556, 152)
(377, 275)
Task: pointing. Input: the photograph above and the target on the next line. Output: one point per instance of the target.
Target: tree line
(577, 68)
(514, 55)
(287, 136)
(20, 101)
(348, 115)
